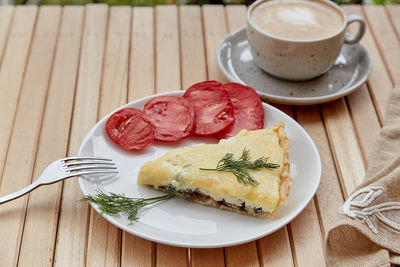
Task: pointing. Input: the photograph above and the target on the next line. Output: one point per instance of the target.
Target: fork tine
(91, 172)
(82, 162)
(84, 158)
(87, 167)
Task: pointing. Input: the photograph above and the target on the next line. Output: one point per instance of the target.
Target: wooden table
(62, 69)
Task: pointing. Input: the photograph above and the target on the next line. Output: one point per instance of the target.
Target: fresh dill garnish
(113, 203)
(238, 167)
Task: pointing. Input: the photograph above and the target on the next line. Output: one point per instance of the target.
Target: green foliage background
(180, 2)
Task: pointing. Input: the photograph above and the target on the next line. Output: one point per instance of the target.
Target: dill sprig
(116, 203)
(238, 167)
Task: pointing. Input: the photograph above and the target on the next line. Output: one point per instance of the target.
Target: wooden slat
(114, 88)
(194, 70)
(385, 37)
(329, 195)
(379, 83)
(6, 13)
(104, 239)
(344, 143)
(242, 255)
(141, 70)
(215, 29)
(42, 215)
(275, 249)
(168, 79)
(394, 13)
(362, 108)
(73, 221)
(12, 70)
(288, 110)
(307, 238)
(19, 166)
(207, 257)
(365, 120)
(192, 48)
(236, 16)
(171, 256)
(136, 251)
(168, 76)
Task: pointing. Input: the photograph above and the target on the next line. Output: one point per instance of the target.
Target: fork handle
(19, 193)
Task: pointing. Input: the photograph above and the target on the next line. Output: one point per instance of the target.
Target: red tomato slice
(129, 129)
(212, 106)
(247, 109)
(172, 116)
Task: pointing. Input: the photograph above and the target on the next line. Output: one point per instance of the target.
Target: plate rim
(290, 99)
(186, 244)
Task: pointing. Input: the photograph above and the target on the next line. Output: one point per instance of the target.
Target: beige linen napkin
(367, 232)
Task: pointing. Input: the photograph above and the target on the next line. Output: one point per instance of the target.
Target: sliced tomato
(172, 116)
(212, 106)
(247, 109)
(130, 129)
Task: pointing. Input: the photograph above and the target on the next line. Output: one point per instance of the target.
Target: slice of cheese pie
(182, 171)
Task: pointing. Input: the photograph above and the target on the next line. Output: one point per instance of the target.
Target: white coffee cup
(295, 59)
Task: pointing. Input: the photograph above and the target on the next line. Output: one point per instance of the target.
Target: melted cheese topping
(180, 168)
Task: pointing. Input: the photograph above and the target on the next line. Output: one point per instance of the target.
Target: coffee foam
(297, 20)
(297, 16)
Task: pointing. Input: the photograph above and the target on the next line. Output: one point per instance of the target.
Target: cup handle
(354, 38)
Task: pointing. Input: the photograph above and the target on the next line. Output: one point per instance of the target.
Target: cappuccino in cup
(298, 39)
(297, 20)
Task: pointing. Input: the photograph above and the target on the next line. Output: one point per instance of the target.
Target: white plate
(179, 222)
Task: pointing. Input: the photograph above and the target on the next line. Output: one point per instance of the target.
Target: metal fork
(65, 168)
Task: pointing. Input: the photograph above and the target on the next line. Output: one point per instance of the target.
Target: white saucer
(350, 70)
